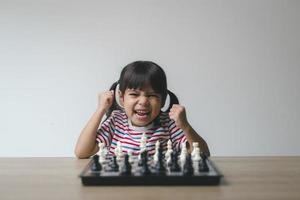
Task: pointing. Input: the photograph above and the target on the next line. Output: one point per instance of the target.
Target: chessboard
(159, 169)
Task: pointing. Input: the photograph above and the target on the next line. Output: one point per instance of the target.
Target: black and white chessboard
(144, 170)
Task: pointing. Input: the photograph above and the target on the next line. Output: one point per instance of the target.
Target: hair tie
(117, 95)
(167, 104)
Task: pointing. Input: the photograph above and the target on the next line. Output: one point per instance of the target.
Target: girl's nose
(143, 100)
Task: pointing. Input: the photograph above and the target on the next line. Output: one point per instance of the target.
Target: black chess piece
(160, 169)
(174, 162)
(96, 166)
(144, 164)
(203, 167)
(142, 158)
(126, 169)
(114, 166)
(188, 169)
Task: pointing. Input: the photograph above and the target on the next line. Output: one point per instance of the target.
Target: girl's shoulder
(163, 114)
(164, 118)
(118, 113)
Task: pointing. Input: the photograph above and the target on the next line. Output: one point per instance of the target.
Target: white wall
(235, 65)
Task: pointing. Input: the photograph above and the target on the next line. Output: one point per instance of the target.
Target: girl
(141, 92)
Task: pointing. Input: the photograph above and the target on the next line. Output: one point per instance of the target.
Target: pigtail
(115, 105)
(173, 100)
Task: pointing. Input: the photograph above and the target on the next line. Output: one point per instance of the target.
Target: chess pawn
(188, 169)
(174, 162)
(96, 166)
(183, 148)
(203, 167)
(195, 146)
(196, 157)
(119, 151)
(126, 168)
(144, 163)
(115, 166)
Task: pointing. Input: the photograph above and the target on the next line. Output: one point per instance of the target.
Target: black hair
(139, 74)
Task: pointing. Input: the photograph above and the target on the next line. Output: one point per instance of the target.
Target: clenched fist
(105, 100)
(178, 114)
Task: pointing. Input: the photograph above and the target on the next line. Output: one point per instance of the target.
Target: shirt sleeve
(176, 134)
(106, 131)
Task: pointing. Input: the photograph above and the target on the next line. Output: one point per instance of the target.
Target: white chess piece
(155, 156)
(195, 146)
(101, 152)
(196, 157)
(183, 153)
(119, 151)
(143, 144)
(169, 152)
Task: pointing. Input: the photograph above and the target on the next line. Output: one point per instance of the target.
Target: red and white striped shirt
(118, 128)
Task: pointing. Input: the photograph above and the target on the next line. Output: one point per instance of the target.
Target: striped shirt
(117, 128)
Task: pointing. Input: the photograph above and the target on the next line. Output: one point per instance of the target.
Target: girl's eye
(153, 95)
(133, 94)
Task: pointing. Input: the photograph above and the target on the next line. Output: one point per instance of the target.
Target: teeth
(140, 112)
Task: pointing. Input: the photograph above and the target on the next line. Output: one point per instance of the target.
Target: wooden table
(57, 178)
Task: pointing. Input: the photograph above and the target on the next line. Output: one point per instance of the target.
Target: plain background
(234, 65)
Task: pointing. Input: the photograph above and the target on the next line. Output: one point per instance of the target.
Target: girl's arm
(86, 144)
(178, 114)
(192, 136)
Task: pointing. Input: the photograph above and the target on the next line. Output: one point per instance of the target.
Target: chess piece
(114, 166)
(196, 157)
(143, 144)
(183, 154)
(174, 162)
(159, 166)
(119, 151)
(203, 167)
(195, 146)
(130, 156)
(144, 164)
(155, 156)
(188, 169)
(96, 166)
(169, 152)
(101, 152)
(126, 168)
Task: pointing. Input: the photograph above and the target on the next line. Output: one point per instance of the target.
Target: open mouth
(142, 113)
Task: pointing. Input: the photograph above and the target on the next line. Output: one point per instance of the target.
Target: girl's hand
(177, 113)
(105, 100)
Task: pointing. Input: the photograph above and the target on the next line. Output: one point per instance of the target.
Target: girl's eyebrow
(133, 90)
(138, 90)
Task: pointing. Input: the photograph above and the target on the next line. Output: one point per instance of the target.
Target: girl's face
(141, 106)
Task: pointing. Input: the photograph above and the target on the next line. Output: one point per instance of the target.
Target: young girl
(141, 92)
